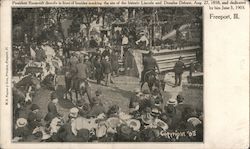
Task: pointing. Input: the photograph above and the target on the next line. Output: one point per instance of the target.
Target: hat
(179, 98)
(82, 123)
(53, 95)
(95, 100)
(73, 112)
(98, 92)
(84, 134)
(194, 121)
(172, 101)
(86, 57)
(158, 102)
(101, 131)
(146, 92)
(147, 118)
(113, 109)
(106, 57)
(134, 124)
(21, 122)
(125, 129)
(124, 116)
(142, 33)
(155, 112)
(150, 52)
(34, 107)
(148, 110)
(155, 91)
(79, 103)
(161, 124)
(113, 122)
(137, 90)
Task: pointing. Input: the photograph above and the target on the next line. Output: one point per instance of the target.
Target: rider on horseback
(80, 79)
(149, 64)
(80, 73)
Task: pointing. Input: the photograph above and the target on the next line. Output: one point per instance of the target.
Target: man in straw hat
(21, 131)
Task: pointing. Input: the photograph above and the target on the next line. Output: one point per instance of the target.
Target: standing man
(114, 63)
(68, 76)
(124, 44)
(143, 41)
(98, 69)
(107, 70)
(178, 70)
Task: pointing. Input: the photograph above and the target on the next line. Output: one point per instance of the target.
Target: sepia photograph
(107, 74)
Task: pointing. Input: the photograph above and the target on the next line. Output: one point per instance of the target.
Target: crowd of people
(148, 120)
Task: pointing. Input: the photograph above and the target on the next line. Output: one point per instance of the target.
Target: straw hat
(161, 124)
(155, 112)
(171, 101)
(113, 122)
(101, 131)
(147, 118)
(134, 124)
(21, 122)
(124, 116)
(194, 121)
(73, 112)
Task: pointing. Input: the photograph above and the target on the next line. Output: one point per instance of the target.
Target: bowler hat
(98, 92)
(53, 95)
(34, 107)
(180, 98)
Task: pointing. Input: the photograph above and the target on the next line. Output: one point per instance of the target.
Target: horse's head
(152, 76)
(35, 82)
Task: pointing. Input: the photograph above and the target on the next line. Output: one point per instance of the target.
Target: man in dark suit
(178, 70)
(52, 109)
(107, 70)
(182, 106)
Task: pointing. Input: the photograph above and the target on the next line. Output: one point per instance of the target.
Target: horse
(80, 87)
(22, 92)
(151, 77)
(50, 81)
(27, 81)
